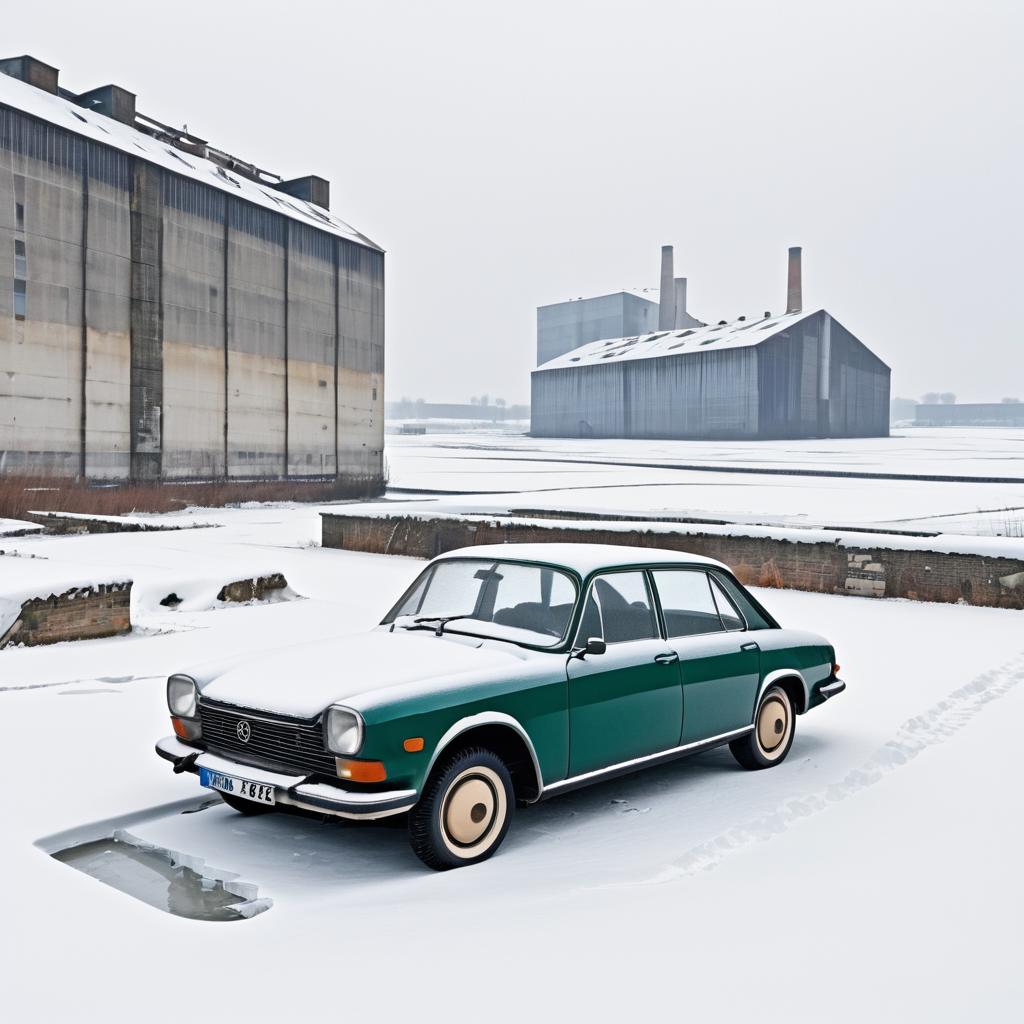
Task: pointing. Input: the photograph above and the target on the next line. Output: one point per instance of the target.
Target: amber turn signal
(360, 771)
(835, 670)
(413, 745)
(186, 729)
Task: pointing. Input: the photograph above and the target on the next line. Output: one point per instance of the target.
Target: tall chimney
(680, 284)
(794, 285)
(667, 297)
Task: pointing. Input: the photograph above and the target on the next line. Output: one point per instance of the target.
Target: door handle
(749, 647)
(668, 658)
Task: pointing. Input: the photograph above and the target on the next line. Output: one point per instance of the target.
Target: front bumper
(832, 689)
(292, 790)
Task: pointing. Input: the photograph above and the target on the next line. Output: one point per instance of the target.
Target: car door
(719, 661)
(626, 702)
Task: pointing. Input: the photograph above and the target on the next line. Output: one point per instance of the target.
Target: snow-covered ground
(499, 471)
(874, 875)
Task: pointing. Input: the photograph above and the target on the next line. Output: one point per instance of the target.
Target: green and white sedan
(504, 675)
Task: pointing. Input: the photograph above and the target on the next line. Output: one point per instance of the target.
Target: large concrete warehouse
(791, 376)
(168, 312)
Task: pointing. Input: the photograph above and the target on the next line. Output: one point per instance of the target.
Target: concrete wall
(108, 316)
(361, 360)
(41, 212)
(312, 315)
(256, 358)
(864, 571)
(172, 331)
(193, 308)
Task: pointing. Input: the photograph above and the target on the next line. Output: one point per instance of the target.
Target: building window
(19, 216)
(19, 300)
(375, 394)
(19, 259)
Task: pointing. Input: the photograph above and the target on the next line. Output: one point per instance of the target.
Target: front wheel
(465, 810)
(772, 736)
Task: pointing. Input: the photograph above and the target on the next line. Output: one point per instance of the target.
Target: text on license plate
(256, 791)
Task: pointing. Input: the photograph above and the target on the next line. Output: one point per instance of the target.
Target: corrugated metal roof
(738, 334)
(105, 130)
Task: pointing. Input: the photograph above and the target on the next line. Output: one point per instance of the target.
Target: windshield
(526, 604)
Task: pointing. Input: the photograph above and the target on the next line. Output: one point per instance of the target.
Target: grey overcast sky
(515, 154)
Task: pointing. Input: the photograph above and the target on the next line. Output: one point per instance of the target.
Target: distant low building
(417, 409)
(791, 376)
(981, 414)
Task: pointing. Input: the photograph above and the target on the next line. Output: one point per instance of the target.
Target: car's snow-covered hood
(304, 679)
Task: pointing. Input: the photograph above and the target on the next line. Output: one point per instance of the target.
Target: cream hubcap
(773, 723)
(473, 812)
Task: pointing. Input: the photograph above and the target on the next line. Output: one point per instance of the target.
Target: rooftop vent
(31, 71)
(311, 188)
(111, 101)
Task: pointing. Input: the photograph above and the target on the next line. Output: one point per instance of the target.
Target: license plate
(258, 792)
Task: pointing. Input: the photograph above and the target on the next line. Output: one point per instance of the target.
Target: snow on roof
(679, 341)
(63, 113)
(583, 558)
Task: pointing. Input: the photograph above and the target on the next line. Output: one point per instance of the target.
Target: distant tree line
(478, 407)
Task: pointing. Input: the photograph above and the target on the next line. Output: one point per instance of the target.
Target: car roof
(582, 558)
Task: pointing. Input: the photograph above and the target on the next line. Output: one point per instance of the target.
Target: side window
(687, 602)
(755, 620)
(621, 606)
(731, 618)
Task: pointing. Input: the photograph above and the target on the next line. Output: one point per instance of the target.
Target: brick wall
(259, 588)
(80, 614)
(828, 568)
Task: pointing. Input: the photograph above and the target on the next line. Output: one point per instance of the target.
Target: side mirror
(595, 645)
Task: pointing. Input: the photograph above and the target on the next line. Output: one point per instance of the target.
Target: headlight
(181, 696)
(344, 731)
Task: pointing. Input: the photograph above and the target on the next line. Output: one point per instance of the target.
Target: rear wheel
(464, 812)
(243, 806)
(772, 735)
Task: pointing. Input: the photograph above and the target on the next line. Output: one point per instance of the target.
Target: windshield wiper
(441, 620)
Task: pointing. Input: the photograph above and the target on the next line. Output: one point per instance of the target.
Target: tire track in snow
(917, 734)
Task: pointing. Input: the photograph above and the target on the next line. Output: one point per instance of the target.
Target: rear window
(756, 617)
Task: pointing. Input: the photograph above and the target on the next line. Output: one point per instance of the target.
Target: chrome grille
(294, 745)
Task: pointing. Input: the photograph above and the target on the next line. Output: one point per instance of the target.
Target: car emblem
(243, 730)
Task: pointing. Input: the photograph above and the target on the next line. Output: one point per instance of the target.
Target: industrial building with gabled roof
(171, 312)
(802, 374)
